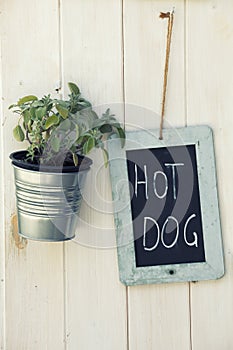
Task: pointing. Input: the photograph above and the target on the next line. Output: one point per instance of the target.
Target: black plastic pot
(19, 159)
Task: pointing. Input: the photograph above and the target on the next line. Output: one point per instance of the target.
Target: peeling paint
(20, 242)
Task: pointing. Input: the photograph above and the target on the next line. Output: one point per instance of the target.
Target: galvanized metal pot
(48, 201)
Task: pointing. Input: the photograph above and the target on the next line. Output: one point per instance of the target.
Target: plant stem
(27, 137)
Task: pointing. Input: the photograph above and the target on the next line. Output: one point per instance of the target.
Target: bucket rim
(18, 162)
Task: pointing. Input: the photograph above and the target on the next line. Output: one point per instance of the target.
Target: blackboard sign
(166, 207)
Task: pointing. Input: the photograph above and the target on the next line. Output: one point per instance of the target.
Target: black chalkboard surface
(165, 205)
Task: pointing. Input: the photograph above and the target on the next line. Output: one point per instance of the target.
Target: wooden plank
(209, 92)
(96, 301)
(34, 272)
(2, 257)
(2, 236)
(158, 314)
(145, 46)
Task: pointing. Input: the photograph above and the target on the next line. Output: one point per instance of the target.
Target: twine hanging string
(170, 16)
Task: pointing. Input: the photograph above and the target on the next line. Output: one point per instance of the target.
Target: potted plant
(51, 172)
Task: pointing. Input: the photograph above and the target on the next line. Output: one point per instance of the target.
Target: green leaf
(107, 115)
(75, 159)
(18, 133)
(11, 106)
(26, 116)
(94, 115)
(62, 103)
(106, 128)
(84, 105)
(80, 139)
(38, 103)
(33, 113)
(62, 111)
(108, 119)
(77, 131)
(115, 124)
(121, 135)
(65, 125)
(74, 88)
(29, 126)
(97, 123)
(52, 120)
(84, 122)
(40, 112)
(47, 135)
(88, 145)
(73, 149)
(55, 144)
(26, 99)
(87, 113)
(106, 157)
(107, 112)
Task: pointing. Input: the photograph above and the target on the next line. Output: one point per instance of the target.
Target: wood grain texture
(2, 211)
(209, 92)
(158, 314)
(68, 296)
(34, 275)
(145, 47)
(96, 301)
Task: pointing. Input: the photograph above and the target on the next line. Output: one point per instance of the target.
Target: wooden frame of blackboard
(213, 266)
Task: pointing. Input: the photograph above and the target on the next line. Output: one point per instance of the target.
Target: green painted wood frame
(213, 267)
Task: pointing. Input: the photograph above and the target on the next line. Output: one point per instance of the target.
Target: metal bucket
(48, 203)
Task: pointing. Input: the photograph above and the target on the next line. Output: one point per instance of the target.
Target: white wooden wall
(68, 296)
